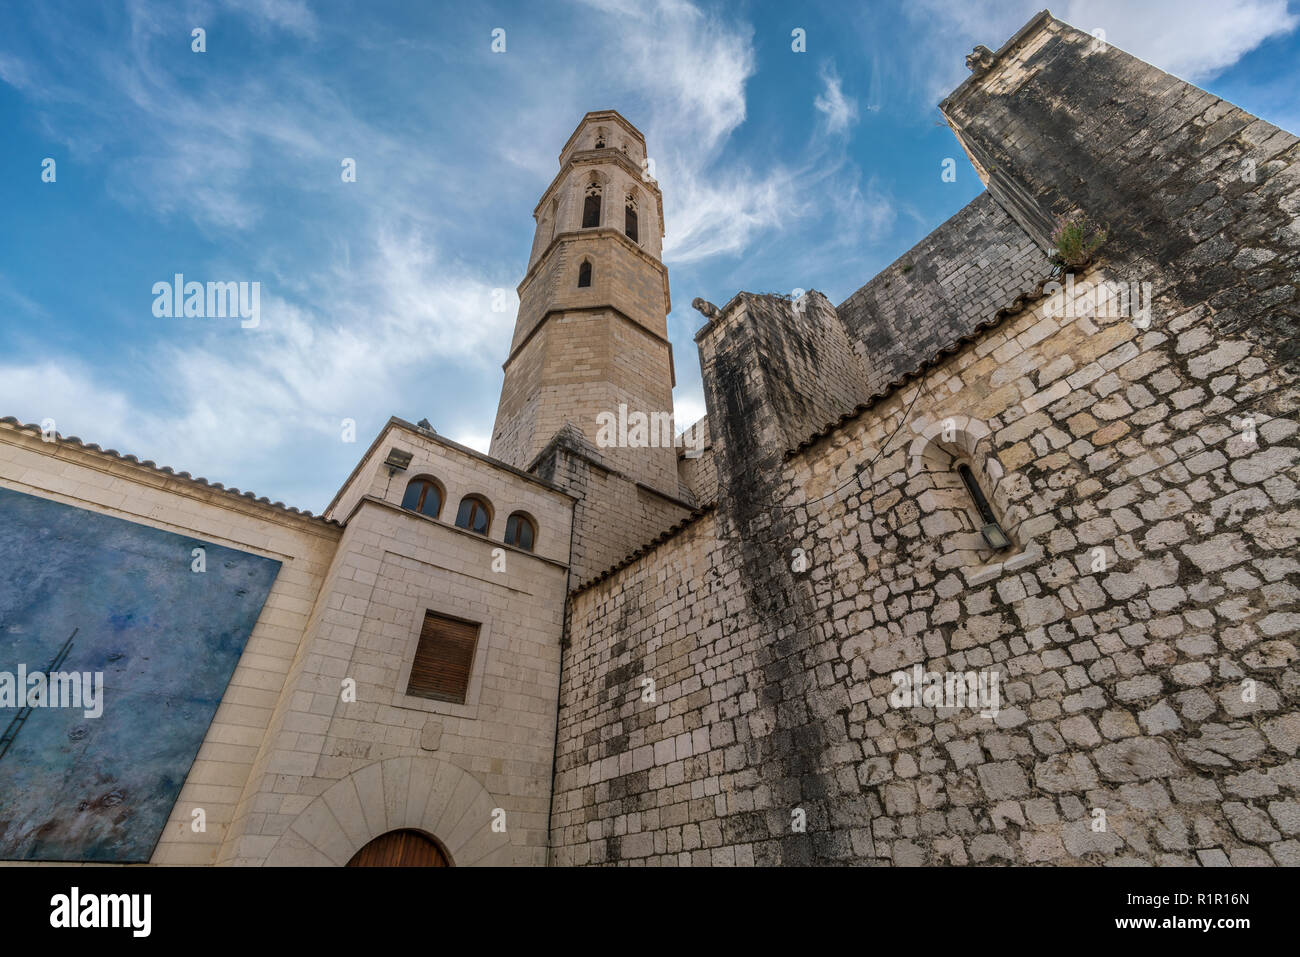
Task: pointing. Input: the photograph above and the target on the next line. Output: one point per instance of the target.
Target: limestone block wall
(613, 515)
(580, 365)
(337, 772)
(1201, 197)
(68, 472)
(697, 472)
(1142, 628)
(392, 567)
(778, 370)
(623, 276)
(941, 289)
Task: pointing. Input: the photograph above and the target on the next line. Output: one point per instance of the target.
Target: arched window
(591, 207)
(629, 211)
(520, 531)
(992, 531)
(600, 139)
(474, 514)
(584, 273)
(423, 495)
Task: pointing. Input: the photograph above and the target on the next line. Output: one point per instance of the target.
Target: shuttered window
(444, 658)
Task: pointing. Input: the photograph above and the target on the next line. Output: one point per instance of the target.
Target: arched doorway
(402, 848)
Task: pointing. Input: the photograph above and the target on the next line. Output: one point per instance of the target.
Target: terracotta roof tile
(166, 470)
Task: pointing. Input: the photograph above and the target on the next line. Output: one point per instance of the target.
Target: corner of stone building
(785, 365)
(1199, 196)
(614, 514)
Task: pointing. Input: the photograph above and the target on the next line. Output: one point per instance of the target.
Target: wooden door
(403, 848)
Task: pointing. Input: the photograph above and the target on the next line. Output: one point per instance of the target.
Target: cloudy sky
(780, 170)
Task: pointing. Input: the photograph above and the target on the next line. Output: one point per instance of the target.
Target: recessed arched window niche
(592, 196)
(474, 514)
(968, 501)
(629, 218)
(424, 494)
(521, 531)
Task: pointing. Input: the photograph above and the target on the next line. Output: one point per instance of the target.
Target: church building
(995, 561)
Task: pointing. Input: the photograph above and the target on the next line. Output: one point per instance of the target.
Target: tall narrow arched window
(584, 273)
(591, 207)
(520, 531)
(990, 528)
(423, 495)
(629, 212)
(474, 514)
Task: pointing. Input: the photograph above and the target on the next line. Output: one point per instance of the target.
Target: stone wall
(1153, 680)
(956, 278)
(1201, 198)
(334, 771)
(613, 515)
(68, 472)
(1139, 630)
(794, 352)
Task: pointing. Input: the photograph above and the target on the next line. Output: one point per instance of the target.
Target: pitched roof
(199, 482)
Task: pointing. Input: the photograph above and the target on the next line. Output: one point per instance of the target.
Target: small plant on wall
(1076, 240)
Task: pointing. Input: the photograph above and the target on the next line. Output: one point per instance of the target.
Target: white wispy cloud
(361, 330)
(1193, 39)
(840, 111)
(234, 397)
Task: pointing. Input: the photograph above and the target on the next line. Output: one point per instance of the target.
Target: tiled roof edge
(1015, 307)
(152, 466)
(648, 547)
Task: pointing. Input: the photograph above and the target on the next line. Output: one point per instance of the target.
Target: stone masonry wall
(336, 771)
(1141, 628)
(940, 290)
(1201, 197)
(1126, 689)
(613, 515)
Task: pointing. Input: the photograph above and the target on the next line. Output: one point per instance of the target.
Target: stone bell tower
(591, 334)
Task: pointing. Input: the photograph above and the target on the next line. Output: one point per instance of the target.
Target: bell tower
(591, 334)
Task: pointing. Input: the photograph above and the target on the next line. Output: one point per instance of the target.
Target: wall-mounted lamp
(994, 535)
(397, 461)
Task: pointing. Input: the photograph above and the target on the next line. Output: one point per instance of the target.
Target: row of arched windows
(591, 211)
(425, 495)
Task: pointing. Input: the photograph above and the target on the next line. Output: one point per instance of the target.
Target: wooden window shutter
(444, 658)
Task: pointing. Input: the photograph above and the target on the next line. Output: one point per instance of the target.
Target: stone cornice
(1039, 21)
(537, 326)
(606, 231)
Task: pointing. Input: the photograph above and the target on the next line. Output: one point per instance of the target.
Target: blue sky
(779, 170)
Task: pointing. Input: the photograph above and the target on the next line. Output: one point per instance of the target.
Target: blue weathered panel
(166, 639)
